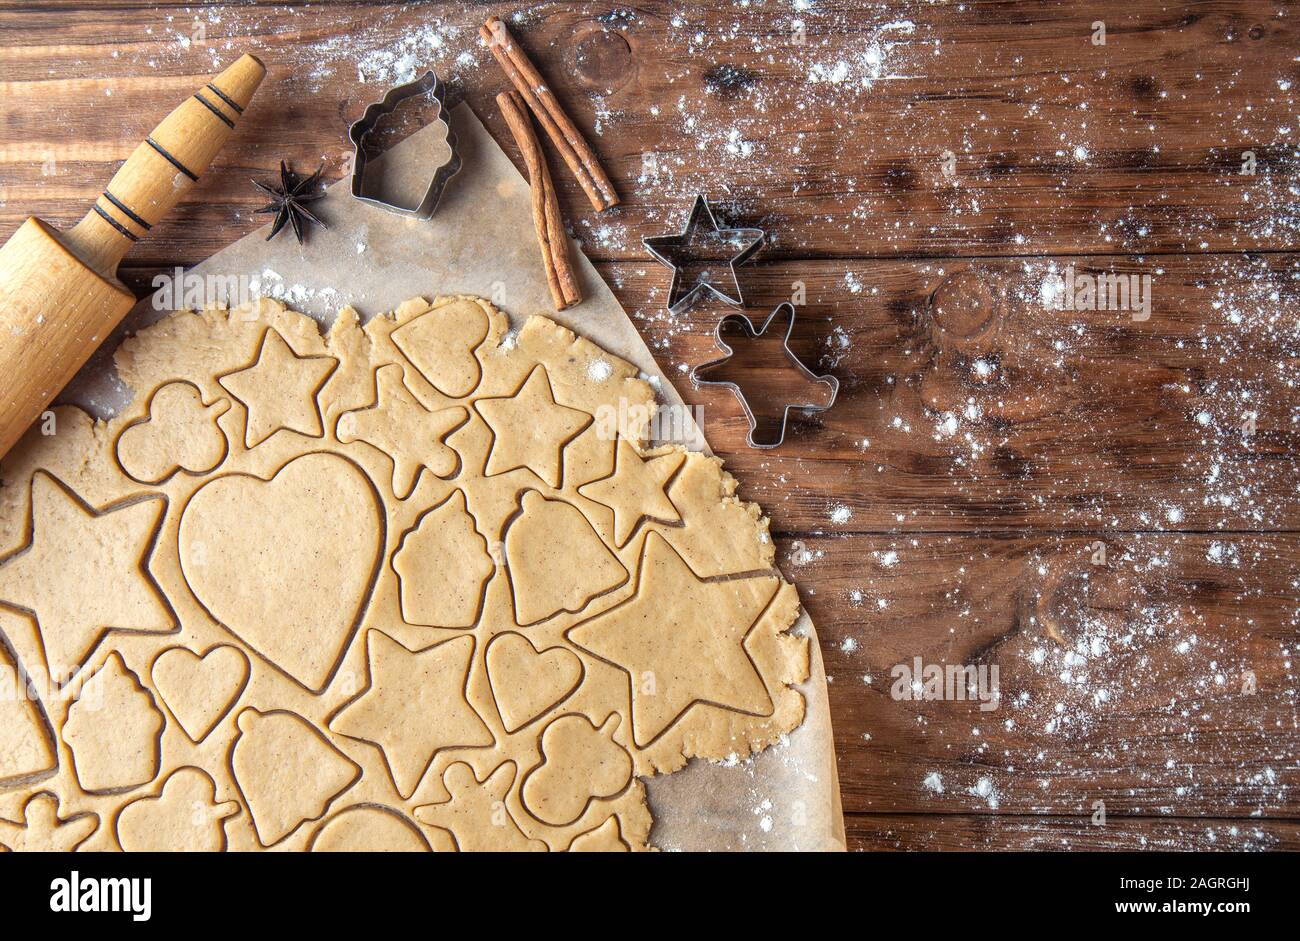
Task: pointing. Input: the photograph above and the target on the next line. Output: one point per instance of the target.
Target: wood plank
(1163, 683)
(1084, 421)
(984, 832)
(829, 127)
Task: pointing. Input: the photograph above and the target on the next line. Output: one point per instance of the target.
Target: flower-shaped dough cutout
(179, 433)
(580, 763)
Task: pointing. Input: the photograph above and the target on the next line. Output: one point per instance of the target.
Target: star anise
(288, 198)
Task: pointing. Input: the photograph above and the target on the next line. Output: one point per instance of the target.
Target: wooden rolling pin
(59, 293)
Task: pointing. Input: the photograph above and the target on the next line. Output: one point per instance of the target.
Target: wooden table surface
(921, 170)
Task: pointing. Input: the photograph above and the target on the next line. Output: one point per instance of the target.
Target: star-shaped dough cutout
(279, 390)
(476, 814)
(634, 490)
(530, 429)
(414, 705)
(44, 831)
(405, 430)
(85, 572)
(681, 640)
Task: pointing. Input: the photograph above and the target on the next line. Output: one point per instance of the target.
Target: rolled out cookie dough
(418, 585)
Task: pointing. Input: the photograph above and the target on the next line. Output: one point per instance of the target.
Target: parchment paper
(481, 242)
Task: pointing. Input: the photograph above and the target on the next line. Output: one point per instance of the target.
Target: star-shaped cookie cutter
(362, 128)
(747, 325)
(751, 238)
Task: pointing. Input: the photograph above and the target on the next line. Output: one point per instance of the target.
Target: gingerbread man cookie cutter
(753, 333)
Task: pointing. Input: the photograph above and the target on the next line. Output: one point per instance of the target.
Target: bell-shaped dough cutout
(443, 567)
(556, 561)
(287, 771)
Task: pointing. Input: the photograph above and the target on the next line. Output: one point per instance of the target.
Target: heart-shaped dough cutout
(527, 683)
(440, 343)
(200, 690)
(287, 565)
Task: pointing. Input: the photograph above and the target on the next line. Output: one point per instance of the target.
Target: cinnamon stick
(546, 205)
(568, 140)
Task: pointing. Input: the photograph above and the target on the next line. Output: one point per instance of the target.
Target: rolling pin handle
(59, 293)
(164, 166)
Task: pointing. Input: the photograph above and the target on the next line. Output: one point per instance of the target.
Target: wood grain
(800, 135)
(928, 832)
(59, 296)
(920, 169)
(966, 405)
(1124, 682)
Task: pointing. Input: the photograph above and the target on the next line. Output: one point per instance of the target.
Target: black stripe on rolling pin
(224, 97)
(117, 225)
(127, 212)
(215, 110)
(170, 159)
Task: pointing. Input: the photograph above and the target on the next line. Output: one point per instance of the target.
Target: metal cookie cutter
(361, 129)
(669, 250)
(785, 310)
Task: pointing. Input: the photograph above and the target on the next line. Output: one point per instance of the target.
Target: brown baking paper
(481, 242)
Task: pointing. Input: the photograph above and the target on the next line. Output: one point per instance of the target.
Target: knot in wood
(963, 312)
(602, 60)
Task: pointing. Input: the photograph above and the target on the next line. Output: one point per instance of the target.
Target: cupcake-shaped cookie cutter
(428, 83)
